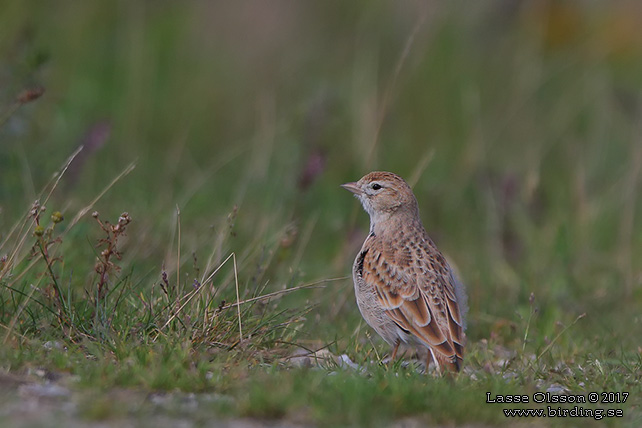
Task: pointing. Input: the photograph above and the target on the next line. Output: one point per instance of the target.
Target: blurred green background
(517, 123)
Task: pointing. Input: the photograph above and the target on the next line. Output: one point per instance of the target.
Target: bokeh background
(517, 123)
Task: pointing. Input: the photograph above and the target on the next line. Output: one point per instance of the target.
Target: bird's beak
(353, 187)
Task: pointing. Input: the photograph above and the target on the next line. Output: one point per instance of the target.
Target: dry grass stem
(178, 246)
(286, 291)
(550, 345)
(193, 293)
(12, 259)
(421, 167)
(238, 297)
(87, 208)
(391, 86)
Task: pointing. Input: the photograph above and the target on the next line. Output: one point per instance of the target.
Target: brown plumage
(404, 287)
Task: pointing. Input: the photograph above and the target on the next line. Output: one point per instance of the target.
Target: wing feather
(418, 293)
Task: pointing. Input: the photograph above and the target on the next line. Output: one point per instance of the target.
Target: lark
(405, 289)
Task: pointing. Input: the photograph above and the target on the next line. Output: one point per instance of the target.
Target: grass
(213, 143)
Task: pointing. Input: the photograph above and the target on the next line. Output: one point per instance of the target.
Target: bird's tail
(444, 363)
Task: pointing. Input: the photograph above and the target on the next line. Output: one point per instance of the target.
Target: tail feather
(451, 364)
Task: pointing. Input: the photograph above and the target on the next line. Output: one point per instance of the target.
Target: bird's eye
(376, 186)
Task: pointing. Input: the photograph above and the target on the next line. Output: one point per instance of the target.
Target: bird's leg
(394, 352)
(431, 357)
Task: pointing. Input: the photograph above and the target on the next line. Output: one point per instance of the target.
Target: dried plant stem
(188, 298)
(16, 316)
(178, 247)
(206, 280)
(22, 225)
(191, 295)
(392, 83)
(315, 284)
(61, 174)
(374, 348)
(238, 298)
(550, 345)
(104, 263)
(10, 331)
(421, 166)
(58, 291)
(86, 209)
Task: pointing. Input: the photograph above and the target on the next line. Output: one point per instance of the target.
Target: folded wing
(416, 289)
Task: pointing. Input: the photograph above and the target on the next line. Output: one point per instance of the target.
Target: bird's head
(383, 194)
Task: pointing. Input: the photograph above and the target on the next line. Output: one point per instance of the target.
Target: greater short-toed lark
(404, 286)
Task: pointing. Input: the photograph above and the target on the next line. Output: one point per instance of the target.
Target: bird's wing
(416, 288)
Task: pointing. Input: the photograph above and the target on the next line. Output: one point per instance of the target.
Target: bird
(404, 287)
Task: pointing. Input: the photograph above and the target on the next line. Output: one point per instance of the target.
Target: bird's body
(404, 287)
